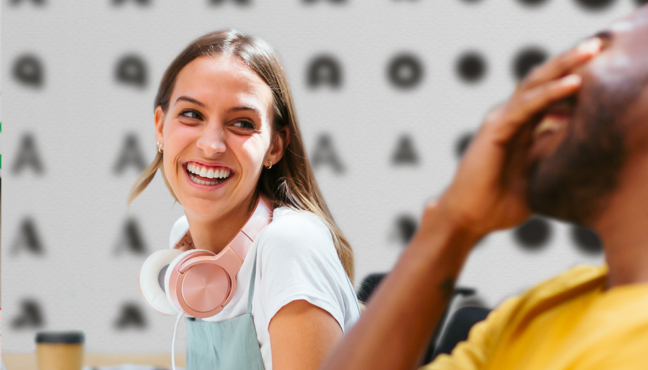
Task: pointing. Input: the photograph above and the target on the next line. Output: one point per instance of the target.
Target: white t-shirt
(296, 260)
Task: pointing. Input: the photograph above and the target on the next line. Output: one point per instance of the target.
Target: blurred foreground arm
(486, 194)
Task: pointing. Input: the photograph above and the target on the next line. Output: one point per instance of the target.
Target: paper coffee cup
(60, 350)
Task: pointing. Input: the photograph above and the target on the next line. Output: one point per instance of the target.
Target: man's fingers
(526, 105)
(562, 64)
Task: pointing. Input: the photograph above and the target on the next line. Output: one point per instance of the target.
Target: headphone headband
(256, 222)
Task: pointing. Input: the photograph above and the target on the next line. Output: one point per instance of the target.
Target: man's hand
(488, 191)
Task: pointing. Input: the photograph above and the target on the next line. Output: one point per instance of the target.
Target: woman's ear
(159, 125)
(279, 145)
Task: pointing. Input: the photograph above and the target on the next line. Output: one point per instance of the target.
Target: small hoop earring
(159, 147)
(269, 167)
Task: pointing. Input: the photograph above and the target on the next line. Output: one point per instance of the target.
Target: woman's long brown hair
(290, 182)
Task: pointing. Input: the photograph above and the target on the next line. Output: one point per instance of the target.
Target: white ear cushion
(172, 266)
(149, 283)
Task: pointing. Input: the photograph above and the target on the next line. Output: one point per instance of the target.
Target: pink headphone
(199, 282)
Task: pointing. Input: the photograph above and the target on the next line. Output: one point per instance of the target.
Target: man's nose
(212, 140)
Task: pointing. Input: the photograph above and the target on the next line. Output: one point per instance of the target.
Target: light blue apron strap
(252, 278)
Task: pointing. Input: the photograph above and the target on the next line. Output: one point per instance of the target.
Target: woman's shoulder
(288, 222)
(297, 260)
(290, 228)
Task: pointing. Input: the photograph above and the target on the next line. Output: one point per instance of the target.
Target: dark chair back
(458, 327)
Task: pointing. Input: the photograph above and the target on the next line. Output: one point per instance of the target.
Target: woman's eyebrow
(190, 100)
(244, 108)
(233, 109)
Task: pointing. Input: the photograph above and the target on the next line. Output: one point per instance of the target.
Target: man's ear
(279, 145)
(159, 125)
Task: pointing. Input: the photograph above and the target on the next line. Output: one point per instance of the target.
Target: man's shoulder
(569, 283)
(562, 287)
(576, 278)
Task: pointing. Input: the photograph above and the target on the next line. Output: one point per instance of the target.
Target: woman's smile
(206, 176)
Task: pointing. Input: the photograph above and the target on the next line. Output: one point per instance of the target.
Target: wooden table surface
(27, 361)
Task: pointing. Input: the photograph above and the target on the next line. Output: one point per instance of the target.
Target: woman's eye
(244, 124)
(190, 114)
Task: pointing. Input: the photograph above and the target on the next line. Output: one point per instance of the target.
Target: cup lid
(68, 337)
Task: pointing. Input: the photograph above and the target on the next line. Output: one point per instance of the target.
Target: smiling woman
(230, 151)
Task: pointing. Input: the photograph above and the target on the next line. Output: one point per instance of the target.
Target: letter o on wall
(405, 71)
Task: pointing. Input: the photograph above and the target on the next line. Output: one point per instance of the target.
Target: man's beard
(574, 182)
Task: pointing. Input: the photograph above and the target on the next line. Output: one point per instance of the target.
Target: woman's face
(216, 135)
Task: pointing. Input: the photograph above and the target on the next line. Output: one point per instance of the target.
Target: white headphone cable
(175, 329)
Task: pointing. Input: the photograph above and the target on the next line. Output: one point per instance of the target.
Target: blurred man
(570, 143)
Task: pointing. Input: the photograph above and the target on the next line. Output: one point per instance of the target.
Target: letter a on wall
(130, 317)
(404, 228)
(130, 155)
(131, 239)
(28, 157)
(405, 153)
(324, 154)
(28, 239)
(30, 316)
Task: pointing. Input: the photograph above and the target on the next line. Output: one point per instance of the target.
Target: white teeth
(201, 182)
(548, 124)
(207, 172)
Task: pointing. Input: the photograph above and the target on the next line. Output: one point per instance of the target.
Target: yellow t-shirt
(567, 322)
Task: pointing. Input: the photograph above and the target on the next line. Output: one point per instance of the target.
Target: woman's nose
(212, 140)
